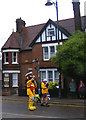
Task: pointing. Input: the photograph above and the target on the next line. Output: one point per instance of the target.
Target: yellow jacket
(44, 88)
(31, 85)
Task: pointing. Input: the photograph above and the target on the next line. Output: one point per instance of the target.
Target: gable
(50, 32)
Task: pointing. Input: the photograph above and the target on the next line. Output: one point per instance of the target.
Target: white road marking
(13, 115)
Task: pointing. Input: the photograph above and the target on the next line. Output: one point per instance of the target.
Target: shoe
(42, 104)
(47, 105)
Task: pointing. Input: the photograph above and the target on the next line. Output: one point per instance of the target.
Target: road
(19, 109)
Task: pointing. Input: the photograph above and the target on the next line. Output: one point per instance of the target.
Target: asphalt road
(17, 109)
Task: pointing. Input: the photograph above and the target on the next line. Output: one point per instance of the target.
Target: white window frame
(49, 45)
(50, 30)
(5, 57)
(14, 62)
(52, 52)
(47, 70)
(16, 79)
(44, 56)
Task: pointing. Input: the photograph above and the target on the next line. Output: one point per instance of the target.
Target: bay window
(6, 60)
(14, 57)
(15, 79)
(6, 80)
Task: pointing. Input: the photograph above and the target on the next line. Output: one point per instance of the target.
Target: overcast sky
(32, 12)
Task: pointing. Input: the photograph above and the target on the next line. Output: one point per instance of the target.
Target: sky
(32, 12)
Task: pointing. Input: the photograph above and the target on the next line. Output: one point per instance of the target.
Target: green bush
(53, 85)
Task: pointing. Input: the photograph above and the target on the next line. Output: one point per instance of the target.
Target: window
(51, 32)
(6, 60)
(43, 75)
(15, 80)
(45, 53)
(49, 74)
(57, 76)
(52, 51)
(6, 80)
(14, 57)
(49, 52)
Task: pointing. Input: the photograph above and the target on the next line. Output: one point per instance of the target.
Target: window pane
(14, 57)
(43, 75)
(15, 79)
(52, 51)
(50, 76)
(51, 32)
(45, 52)
(6, 57)
(6, 80)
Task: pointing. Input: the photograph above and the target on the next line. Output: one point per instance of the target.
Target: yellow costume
(44, 91)
(31, 85)
(44, 88)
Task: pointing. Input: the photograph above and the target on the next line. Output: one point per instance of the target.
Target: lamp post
(49, 3)
(36, 60)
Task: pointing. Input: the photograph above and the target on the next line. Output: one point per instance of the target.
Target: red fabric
(44, 82)
(81, 86)
(31, 86)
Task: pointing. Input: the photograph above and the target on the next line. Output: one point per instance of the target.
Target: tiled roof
(29, 33)
(13, 41)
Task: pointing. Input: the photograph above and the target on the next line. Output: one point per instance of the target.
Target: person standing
(31, 85)
(73, 88)
(44, 87)
(81, 89)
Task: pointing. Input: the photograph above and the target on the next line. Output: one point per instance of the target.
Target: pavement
(53, 100)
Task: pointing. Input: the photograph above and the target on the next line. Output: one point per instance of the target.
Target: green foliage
(53, 85)
(71, 57)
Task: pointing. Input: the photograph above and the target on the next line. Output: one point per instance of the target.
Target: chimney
(77, 18)
(19, 24)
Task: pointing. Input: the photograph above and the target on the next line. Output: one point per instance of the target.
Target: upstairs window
(49, 52)
(45, 53)
(6, 60)
(52, 51)
(51, 32)
(14, 57)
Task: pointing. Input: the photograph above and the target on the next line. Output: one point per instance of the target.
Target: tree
(71, 57)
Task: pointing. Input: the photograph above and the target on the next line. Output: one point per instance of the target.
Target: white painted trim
(50, 44)
(6, 63)
(11, 71)
(11, 50)
(15, 86)
(55, 69)
(14, 62)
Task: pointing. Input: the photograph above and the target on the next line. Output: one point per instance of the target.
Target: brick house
(27, 44)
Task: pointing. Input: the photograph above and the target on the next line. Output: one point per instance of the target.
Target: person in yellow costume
(44, 91)
(31, 85)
